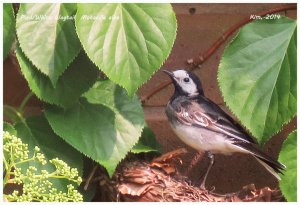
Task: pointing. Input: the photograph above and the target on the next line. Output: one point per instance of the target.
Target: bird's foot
(202, 186)
(228, 195)
(211, 191)
(213, 188)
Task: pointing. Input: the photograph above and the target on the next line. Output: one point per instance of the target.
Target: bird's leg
(211, 162)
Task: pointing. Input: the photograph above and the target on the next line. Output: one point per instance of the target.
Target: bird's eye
(186, 80)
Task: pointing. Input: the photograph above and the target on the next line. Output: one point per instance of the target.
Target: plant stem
(24, 102)
(7, 176)
(27, 160)
(14, 118)
(9, 167)
(5, 164)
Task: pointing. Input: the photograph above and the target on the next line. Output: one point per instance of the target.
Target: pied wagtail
(204, 126)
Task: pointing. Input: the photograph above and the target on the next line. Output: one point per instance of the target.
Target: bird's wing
(205, 113)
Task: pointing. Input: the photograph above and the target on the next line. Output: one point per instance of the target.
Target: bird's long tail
(271, 169)
(272, 165)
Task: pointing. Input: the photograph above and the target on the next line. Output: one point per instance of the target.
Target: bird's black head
(186, 83)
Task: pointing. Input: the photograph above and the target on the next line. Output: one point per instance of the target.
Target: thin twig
(24, 102)
(202, 58)
(90, 177)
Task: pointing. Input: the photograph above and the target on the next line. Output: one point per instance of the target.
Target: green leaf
(47, 38)
(9, 128)
(36, 131)
(288, 156)
(128, 42)
(77, 79)
(257, 75)
(104, 133)
(104, 88)
(9, 23)
(146, 143)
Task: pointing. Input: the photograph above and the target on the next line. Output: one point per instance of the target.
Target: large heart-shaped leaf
(8, 28)
(105, 133)
(128, 42)
(288, 156)
(77, 79)
(257, 75)
(47, 36)
(36, 131)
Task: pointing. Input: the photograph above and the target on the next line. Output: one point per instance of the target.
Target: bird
(204, 126)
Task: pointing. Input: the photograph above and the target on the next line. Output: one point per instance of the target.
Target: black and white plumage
(204, 126)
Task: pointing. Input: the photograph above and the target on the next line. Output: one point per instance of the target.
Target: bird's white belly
(205, 140)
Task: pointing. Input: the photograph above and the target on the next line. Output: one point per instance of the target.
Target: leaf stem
(15, 111)
(24, 102)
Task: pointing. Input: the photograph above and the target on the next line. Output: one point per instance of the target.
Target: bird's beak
(169, 73)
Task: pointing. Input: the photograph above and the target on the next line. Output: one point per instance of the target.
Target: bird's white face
(185, 82)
